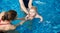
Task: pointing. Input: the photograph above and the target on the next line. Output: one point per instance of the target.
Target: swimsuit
(26, 3)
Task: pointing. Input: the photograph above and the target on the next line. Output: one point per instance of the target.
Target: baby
(33, 14)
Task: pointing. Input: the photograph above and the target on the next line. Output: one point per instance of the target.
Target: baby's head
(10, 15)
(32, 11)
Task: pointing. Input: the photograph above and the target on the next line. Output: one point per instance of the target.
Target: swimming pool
(49, 9)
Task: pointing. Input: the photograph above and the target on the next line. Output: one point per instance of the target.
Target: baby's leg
(38, 16)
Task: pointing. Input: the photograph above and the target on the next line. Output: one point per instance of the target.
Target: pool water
(48, 9)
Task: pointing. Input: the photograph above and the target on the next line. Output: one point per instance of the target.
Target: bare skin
(33, 14)
(5, 25)
(23, 7)
(30, 14)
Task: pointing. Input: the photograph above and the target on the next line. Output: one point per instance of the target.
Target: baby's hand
(30, 18)
(26, 18)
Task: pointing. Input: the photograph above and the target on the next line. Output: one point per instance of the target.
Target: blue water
(48, 9)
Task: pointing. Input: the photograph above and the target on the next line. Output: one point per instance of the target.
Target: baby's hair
(33, 7)
(10, 15)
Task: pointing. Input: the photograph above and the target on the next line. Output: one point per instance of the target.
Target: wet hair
(1, 32)
(10, 15)
(33, 7)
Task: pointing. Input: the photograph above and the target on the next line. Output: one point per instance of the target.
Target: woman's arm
(20, 19)
(23, 7)
(21, 23)
(30, 3)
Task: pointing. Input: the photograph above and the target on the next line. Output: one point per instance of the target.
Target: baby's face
(32, 12)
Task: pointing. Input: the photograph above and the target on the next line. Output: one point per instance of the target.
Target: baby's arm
(38, 16)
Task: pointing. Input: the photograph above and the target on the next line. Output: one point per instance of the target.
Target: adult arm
(30, 3)
(23, 7)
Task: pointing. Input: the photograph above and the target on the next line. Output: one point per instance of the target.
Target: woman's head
(10, 15)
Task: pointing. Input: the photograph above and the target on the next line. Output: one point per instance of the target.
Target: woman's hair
(1, 32)
(10, 15)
